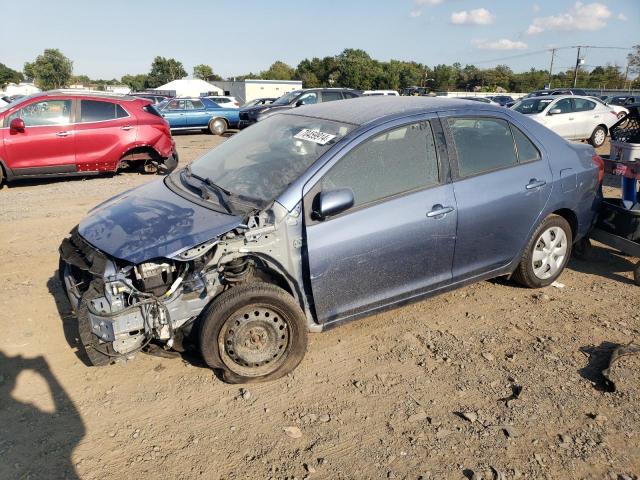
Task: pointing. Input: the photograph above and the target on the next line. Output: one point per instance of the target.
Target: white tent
(190, 87)
(23, 88)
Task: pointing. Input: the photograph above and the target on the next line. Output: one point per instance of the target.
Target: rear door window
(583, 105)
(527, 151)
(194, 105)
(331, 96)
(98, 111)
(394, 162)
(482, 145)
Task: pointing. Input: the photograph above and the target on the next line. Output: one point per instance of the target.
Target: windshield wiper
(222, 193)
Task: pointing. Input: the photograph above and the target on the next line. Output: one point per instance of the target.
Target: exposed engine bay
(122, 308)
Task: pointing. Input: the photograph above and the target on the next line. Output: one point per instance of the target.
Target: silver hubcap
(599, 136)
(549, 253)
(218, 127)
(254, 341)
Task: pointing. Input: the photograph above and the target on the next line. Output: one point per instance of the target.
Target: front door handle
(439, 211)
(63, 134)
(533, 183)
(570, 118)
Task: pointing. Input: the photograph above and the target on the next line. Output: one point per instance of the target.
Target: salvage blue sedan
(321, 215)
(198, 114)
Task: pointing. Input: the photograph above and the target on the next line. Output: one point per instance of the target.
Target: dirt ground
(492, 381)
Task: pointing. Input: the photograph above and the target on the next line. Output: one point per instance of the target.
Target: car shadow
(604, 262)
(36, 443)
(69, 322)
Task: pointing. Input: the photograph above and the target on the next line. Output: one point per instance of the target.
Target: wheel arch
(571, 218)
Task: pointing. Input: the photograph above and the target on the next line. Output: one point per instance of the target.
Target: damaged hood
(151, 222)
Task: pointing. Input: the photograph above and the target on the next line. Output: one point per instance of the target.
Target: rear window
(98, 111)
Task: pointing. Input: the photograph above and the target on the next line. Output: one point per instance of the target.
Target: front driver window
(308, 98)
(176, 105)
(47, 112)
(397, 161)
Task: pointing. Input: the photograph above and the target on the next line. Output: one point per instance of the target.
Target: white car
(620, 110)
(571, 116)
(225, 102)
(371, 93)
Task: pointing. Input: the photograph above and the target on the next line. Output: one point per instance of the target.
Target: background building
(190, 88)
(247, 90)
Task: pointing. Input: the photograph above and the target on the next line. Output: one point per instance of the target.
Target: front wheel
(598, 136)
(546, 254)
(253, 333)
(218, 126)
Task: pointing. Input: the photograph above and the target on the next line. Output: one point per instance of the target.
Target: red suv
(63, 133)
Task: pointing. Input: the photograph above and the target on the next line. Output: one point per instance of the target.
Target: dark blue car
(198, 114)
(323, 214)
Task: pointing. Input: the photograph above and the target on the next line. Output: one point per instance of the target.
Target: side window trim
(78, 111)
(314, 186)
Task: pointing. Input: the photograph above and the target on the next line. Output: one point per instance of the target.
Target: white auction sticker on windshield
(315, 136)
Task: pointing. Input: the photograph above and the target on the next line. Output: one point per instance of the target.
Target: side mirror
(555, 111)
(16, 125)
(333, 202)
(299, 103)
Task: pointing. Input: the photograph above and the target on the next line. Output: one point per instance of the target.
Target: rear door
(587, 116)
(195, 114)
(502, 182)
(175, 113)
(397, 241)
(104, 132)
(47, 143)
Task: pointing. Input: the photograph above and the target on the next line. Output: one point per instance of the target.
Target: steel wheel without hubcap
(253, 341)
(218, 126)
(549, 253)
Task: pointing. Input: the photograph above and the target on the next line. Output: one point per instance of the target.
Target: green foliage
(164, 70)
(135, 82)
(8, 75)
(202, 71)
(50, 70)
(278, 71)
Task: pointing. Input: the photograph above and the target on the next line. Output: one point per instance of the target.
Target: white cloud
(622, 16)
(415, 13)
(502, 44)
(590, 16)
(479, 16)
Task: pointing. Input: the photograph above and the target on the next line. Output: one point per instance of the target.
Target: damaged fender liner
(78, 253)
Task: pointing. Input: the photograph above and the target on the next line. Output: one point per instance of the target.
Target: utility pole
(575, 72)
(553, 54)
(626, 75)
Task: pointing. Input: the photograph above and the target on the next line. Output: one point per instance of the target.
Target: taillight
(614, 113)
(598, 162)
(236, 104)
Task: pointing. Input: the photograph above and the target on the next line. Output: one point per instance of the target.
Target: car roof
(363, 110)
(86, 94)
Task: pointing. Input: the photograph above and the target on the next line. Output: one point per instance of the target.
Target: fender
(8, 173)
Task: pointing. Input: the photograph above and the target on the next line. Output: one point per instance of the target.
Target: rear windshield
(532, 105)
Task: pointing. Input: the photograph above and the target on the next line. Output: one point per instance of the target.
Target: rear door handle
(439, 211)
(533, 183)
(126, 127)
(63, 134)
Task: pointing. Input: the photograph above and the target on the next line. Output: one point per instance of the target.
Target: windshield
(259, 163)
(288, 98)
(532, 105)
(617, 101)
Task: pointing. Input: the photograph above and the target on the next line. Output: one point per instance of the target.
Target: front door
(502, 182)
(397, 240)
(564, 122)
(103, 133)
(174, 113)
(47, 143)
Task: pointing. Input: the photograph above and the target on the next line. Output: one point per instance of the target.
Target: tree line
(351, 68)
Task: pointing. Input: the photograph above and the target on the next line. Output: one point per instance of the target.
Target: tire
(636, 274)
(218, 126)
(620, 115)
(598, 136)
(2, 182)
(88, 340)
(254, 332)
(536, 269)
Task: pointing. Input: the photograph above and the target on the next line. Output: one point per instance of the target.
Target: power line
(538, 52)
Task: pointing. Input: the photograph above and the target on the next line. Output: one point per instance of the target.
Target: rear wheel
(218, 126)
(546, 254)
(253, 333)
(598, 136)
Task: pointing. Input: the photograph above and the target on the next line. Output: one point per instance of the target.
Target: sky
(110, 38)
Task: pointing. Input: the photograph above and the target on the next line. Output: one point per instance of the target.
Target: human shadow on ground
(599, 359)
(35, 443)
